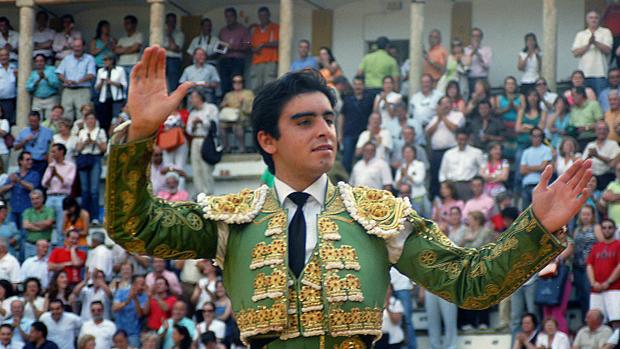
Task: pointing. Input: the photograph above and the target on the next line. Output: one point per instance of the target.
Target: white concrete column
(286, 36)
(550, 38)
(416, 44)
(26, 28)
(156, 24)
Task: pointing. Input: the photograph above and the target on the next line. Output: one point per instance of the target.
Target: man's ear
(267, 142)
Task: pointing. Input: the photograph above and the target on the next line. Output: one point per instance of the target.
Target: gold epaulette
(236, 208)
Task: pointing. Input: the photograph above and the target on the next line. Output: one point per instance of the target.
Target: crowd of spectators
(464, 155)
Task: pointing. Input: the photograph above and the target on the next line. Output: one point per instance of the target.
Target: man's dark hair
(608, 220)
(208, 337)
(206, 19)
(611, 70)
(478, 178)
(67, 16)
(97, 302)
(305, 41)
(21, 155)
(35, 113)
(58, 301)
(462, 131)
(131, 18)
(230, 10)
(60, 147)
(39, 55)
(39, 326)
(43, 13)
(135, 277)
(120, 332)
(272, 98)
(7, 326)
(359, 78)
(263, 9)
(382, 42)
(171, 15)
(531, 316)
(510, 212)
(536, 128)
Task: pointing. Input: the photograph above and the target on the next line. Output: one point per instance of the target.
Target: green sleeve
(477, 278)
(143, 224)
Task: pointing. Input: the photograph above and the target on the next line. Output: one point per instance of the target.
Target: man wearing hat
(100, 256)
(306, 263)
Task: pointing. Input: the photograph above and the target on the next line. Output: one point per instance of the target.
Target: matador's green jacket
(339, 296)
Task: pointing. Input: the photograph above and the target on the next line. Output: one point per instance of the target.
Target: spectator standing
(529, 332)
(507, 106)
(43, 36)
(60, 289)
(443, 204)
(371, 170)
(159, 305)
(37, 338)
(176, 156)
(613, 84)
(202, 117)
(548, 98)
(63, 326)
(265, 37)
(578, 80)
(240, 99)
(19, 184)
(178, 318)
(37, 265)
(529, 117)
(129, 309)
(103, 43)
(595, 333)
(534, 160)
(328, 66)
(480, 57)
(100, 257)
(236, 38)
(456, 68)
(551, 337)
(558, 311)
(602, 151)
(587, 232)
(355, 112)
(129, 46)
(583, 116)
(377, 65)
(206, 41)
(210, 323)
(102, 329)
(485, 128)
(377, 135)
(68, 259)
(204, 289)
(5, 129)
(9, 38)
(8, 86)
(36, 140)
(436, 57)
(43, 84)
(63, 40)
(305, 61)
(92, 290)
(34, 303)
(529, 62)
(413, 172)
(38, 223)
(111, 84)
(460, 164)
(76, 71)
(407, 136)
(92, 142)
(592, 46)
(9, 266)
(76, 218)
(8, 231)
(612, 116)
(482, 91)
(565, 156)
(203, 75)
(386, 99)
(173, 41)
(20, 325)
(558, 121)
(603, 265)
(393, 335)
(423, 105)
(58, 180)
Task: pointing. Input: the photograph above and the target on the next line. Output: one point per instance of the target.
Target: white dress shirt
(384, 149)
(424, 107)
(116, 75)
(63, 331)
(103, 333)
(101, 258)
(36, 267)
(443, 137)
(609, 150)
(179, 40)
(458, 165)
(593, 62)
(41, 36)
(9, 269)
(417, 178)
(311, 208)
(375, 173)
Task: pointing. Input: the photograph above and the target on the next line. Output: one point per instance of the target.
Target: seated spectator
(386, 99)
(111, 84)
(43, 36)
(60, 289)
(6, 340)
(9, 266)
(54, 118)
(412, 172)
(206, 41)
(124, 278)
(38, 223)
(481, 92)
(97, 326)
(19, 184)
(204, 288)
(37, 338)
(558, 121)
(32, 300)
(20, 325)
(603, 262)
(159, 169)
(328, 66)
(204, 76)
(484, 127)
(371, 170)
(9, 38)
(63, 326)
(159, 305)
(613, 81)
(377, 135)
(565, 156)
(423, 104)
(75, 219)
(159, 269)
(223, 306)
(121, 341)
(456, 68)
(453, 226)
(612, 116)
(528, 117)
(461, 164)
(408, 137)
(103, 44)
(453, 90)
(526, 339)
(595, 334)
(8, 87)
(150, 340)
(583, 116)
(93, 289)
(99, 256)
(448, 198)
(69, 259)
(173, 41)
(496, 171)
(8, 230)
(76, 72)
(602, 151)
(86, 342)
(63, 40)
(547, 97)
(534, 160)
(7, 291)
(577, 79)
(240, 101)
(58, 180)
(305, 60)
(393, 334)
(480, 201)
(129, 46)
(36, 140)
(92, 142)
(210, 324)
(178, 318)
(37, 265)
(265, 37)
(65, 138)
(44, 86)
(208, 340)
(172, 191)
(507, 105)
(129, 308)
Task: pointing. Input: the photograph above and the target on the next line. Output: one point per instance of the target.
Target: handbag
(549, 290)
(171, 139)
(212, 150)
(230, 114)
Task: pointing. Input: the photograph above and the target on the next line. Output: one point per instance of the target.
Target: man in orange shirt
(436, 57)
(265, 37)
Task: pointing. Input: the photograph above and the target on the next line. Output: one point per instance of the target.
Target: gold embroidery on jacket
(356, 321)
(269, 286)
(164, 251)
(343, 289)
(312, 323)
(344, 257)
(262, 320)
(310, 299)
(268, 254)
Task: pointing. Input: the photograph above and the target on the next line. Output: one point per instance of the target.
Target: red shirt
(157, 315)
(61, 255)
(604, 258)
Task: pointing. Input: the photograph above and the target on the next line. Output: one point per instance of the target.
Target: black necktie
(297, 234)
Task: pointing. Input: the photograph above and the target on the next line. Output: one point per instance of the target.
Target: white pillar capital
(24, 3)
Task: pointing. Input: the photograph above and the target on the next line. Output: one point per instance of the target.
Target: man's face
(608, 228)
(602, 131)
(39, 62)
(578, 98)
(171, 22)
(120, 341)
(614, 101)
(374, 122)
(434, 38)
(158, 157)
(207, 27)
(139, 284)
(73, 238)
(159, 265)
(614, 78)
(26, 162)
(593, 319)
(454, 217)
(409, 135)
(56, 311)
(4, 27)
(476, 37)
(461, 140)
(426, 83)
(36, 200)
(358, 85)
(404, 191)
(527, 324)
(231, 17)
(42, 248)
(484, 110)
(4, 57)
(41, 20)
(178, 311)
(67, 24)
(5, 335)
(444, 106)
(17, 308)
(263, 17)
(130, 27)
(208, 311)
(477, 187)
(96, 312)
(592, 19)
(303, 48)
(33, 122)
(307, 143)
(200, 57)
(368, 152)
(536, 138)
(78, 47)
(34, 335)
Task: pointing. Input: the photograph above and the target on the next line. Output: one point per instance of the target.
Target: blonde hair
(83, 341)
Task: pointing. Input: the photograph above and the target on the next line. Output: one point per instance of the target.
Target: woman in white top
(386, 99)
(34, 304)
(566, 155)
(550, 337)
(529, 62)
(111, 84)
(5, 128)
(198, 125)
(413, 172)
(66, 138)
(205, 287)
(393, 335)
(91, 146)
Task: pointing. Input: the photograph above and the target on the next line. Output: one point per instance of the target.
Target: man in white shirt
(480, 58)
(602, 151)
(128, 47)
(9, 266)
(6, 337)
(173, 43)
(36, 266)
(103, 330)
(9, 39)
(62, 326)
(20, 324)
(43, 36)
(423, 104)
(371, 170)
(206, 41)
(100, 257)
(210, 323)
(461, 164)
(380, 137)
(592, 46)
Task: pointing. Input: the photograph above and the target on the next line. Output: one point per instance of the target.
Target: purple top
(237, 38)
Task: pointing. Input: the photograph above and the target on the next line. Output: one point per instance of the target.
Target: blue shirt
(603, 98)
(75, 69)
(40, 144)
(127, 318)
(8, 82)
(46, 345)
(534, 156)
(186, 322)
(301, 64)
(9, 230)
(47, 87)
(20, 197)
